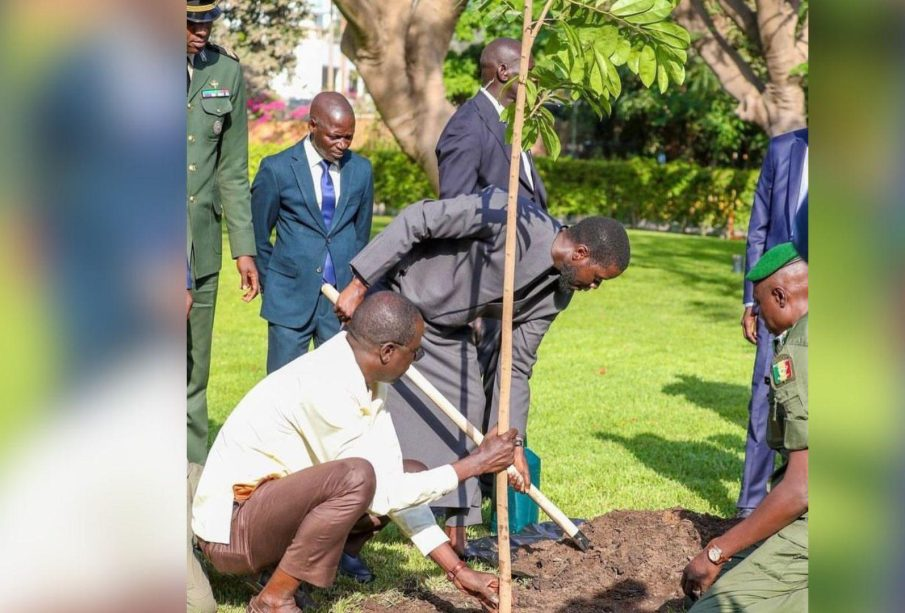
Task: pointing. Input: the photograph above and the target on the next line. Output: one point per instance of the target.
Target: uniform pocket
(217, 106)
(217, 112)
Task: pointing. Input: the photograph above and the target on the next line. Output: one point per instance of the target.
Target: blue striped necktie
(328, 207)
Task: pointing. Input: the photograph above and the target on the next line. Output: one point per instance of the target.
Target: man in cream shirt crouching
(309, 464)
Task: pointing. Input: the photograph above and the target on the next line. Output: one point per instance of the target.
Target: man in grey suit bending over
(447, 257)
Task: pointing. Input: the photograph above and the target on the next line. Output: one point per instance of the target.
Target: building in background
(321, 65)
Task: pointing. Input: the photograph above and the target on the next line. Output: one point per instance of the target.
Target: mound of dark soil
(634, 565)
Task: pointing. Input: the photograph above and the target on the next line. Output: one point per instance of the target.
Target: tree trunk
(777, 104)
(398, 47)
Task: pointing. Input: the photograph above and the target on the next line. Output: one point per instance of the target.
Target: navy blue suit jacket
(291, 269)
(776, 198)
(472, 154)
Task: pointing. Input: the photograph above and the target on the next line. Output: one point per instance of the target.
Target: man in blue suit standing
(319, 196)
(781, 189)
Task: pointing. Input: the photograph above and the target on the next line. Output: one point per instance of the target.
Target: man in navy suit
(319, 196)
(472, 154)
(781, 190)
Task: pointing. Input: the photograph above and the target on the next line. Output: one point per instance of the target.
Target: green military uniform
(774, 575)
(217, 186)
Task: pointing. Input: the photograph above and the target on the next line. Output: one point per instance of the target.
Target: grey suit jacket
(447, 257)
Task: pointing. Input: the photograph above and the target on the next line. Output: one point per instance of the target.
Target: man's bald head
(782, 298)
(330, 104)
(500, 62)
(331, 125)
(386, 317)
(385, 335)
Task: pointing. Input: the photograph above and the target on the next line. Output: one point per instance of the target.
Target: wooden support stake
(502, 481)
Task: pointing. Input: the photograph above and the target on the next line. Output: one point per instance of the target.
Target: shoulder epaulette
(223, 51)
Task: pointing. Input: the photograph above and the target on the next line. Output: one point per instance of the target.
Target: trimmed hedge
(676, 195)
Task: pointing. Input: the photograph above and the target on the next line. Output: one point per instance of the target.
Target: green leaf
(604, 103)
(676, 71)
(608, 74)
(615, 80)
(530, 93)
(550, 138)
(595, 107)
(662, 79)
(624, 8)
(506, 117)
(660, 11)
(529, 135)
(605, 39)
(647, 65)
(578, 70)
(670, 34)
(634, 58)
(572, 38)
(596, 76)
(620, 55)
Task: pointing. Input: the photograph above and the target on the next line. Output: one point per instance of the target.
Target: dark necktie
(328, 207)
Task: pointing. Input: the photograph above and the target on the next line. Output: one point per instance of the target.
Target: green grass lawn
(639, 397)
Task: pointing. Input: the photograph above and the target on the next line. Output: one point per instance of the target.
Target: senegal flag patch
(783, 372)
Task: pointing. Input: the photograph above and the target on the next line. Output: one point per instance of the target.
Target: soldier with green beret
(217, 187)
(771, 576)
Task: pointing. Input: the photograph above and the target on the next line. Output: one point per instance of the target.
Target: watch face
(714, 554)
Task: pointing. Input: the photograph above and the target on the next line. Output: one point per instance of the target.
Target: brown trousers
(299, 522)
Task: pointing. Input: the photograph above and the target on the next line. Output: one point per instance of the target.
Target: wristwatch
(715, 555)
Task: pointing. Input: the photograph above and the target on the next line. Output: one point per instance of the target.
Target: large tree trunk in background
(777, 105)
(398, 47)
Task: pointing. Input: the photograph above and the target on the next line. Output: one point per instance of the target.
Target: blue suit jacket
(472, 154)
(291, 269)
(776, 198)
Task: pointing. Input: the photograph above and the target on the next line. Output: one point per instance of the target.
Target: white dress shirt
(316, 409)
(803, 187)
(317, 172)
(525, 163)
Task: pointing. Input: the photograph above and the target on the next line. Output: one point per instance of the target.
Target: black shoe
(743, 513)
(355, 568)
(302, 598)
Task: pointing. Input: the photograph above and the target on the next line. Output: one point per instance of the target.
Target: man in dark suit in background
(781, 189)
(319, 196)
(472, 152)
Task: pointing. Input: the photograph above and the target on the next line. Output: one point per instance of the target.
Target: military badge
(215, 83)
(215, 93)
(218, 127)
(782, 372)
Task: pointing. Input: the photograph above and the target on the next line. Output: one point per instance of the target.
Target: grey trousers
(450, 362)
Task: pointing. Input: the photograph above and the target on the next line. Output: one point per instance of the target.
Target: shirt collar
(369, 404)
(496, 103)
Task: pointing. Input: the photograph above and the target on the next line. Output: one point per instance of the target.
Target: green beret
(774, 259)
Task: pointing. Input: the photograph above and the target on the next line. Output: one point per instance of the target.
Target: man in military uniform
(774, 575)
(217, 186)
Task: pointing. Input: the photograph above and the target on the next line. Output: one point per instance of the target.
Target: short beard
(568, 277)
